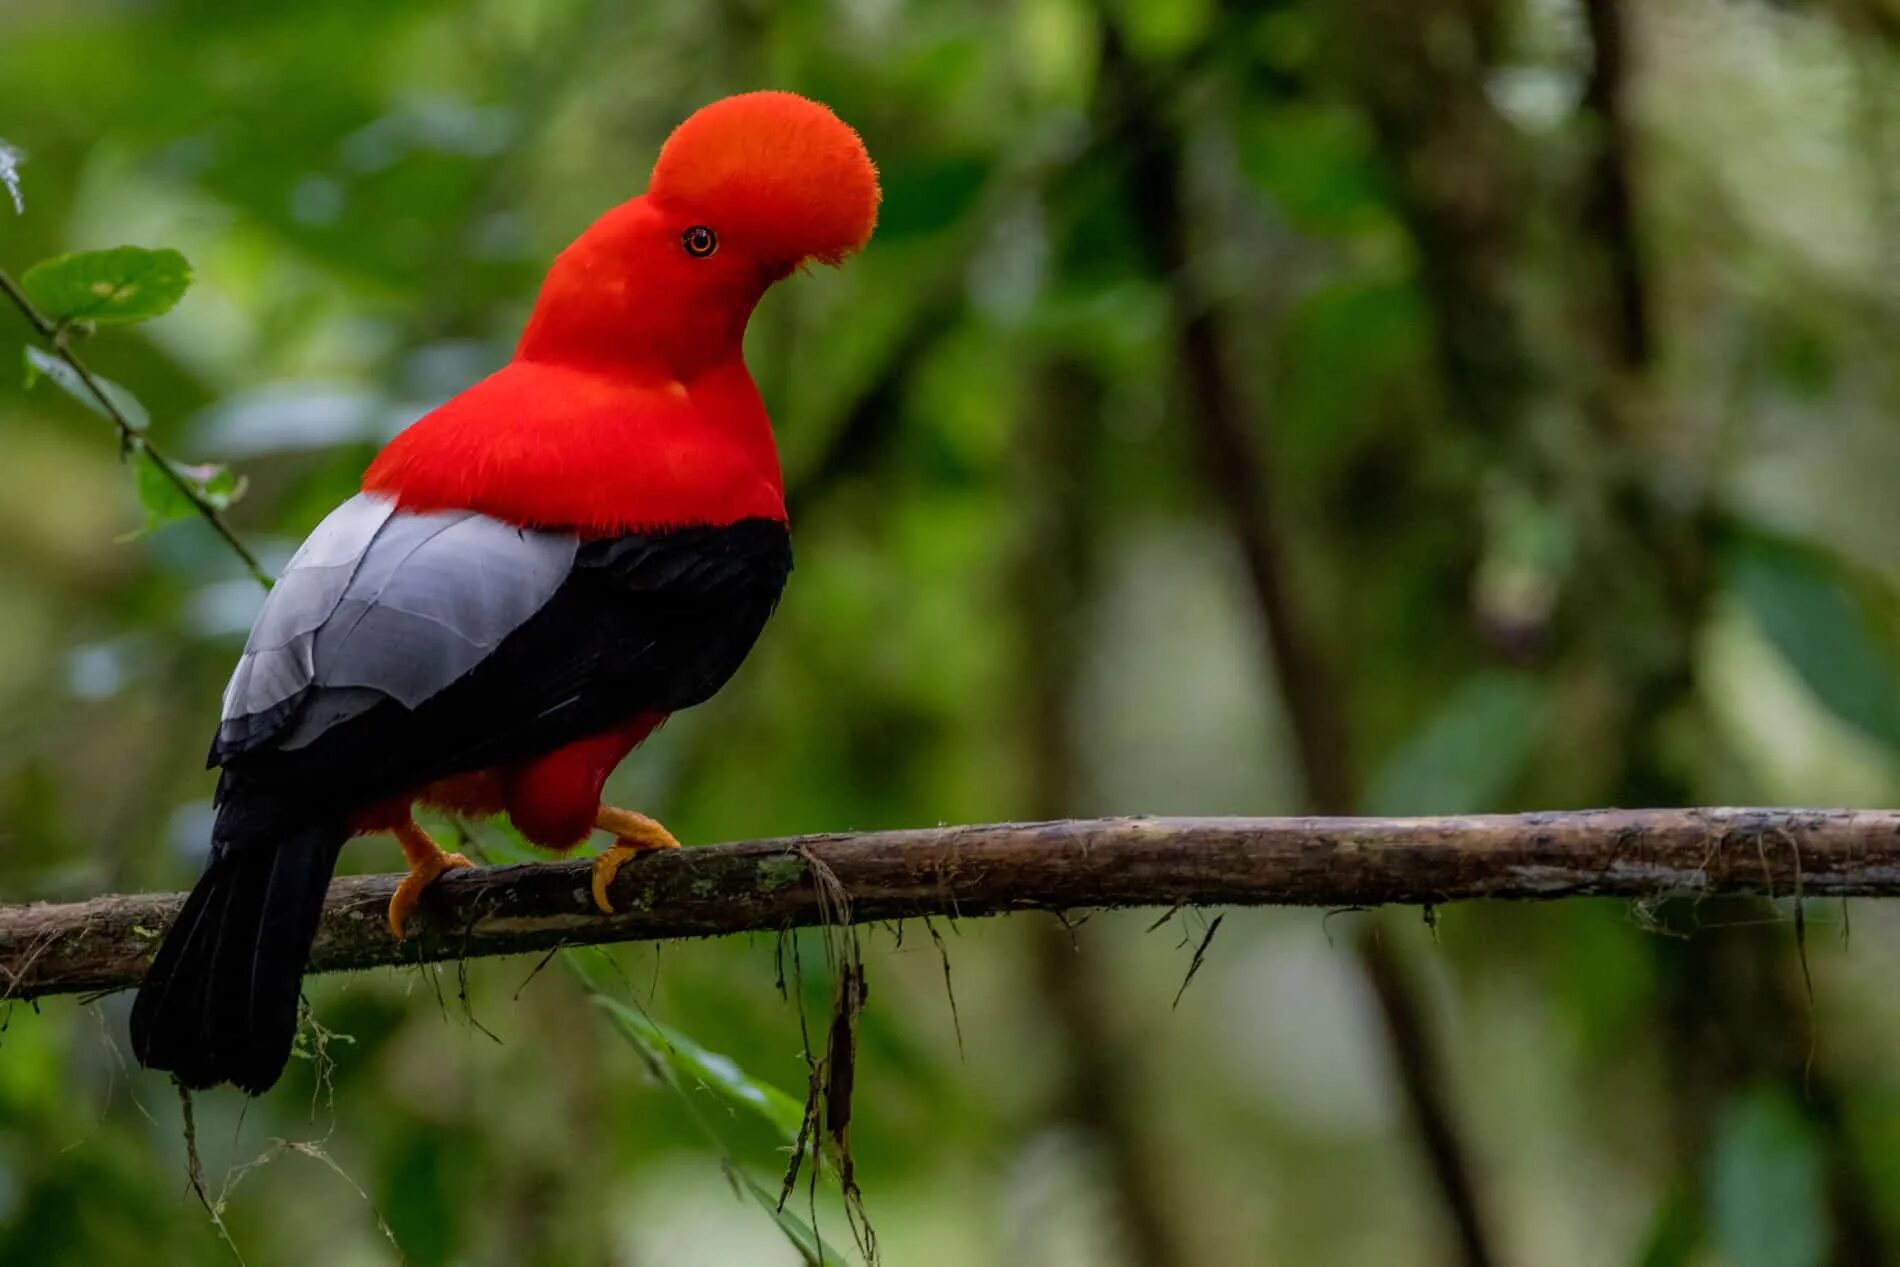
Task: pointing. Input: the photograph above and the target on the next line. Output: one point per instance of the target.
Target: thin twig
(131, 438)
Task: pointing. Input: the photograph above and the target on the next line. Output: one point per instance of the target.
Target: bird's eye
(700, 241)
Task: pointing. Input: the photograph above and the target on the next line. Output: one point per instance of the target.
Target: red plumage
(597, 449)
(628, 406)
(626, 546)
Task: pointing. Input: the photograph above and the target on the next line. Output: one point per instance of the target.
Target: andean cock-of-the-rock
(533, 577)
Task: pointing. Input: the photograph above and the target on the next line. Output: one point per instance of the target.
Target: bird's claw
(635, 834)
(421, 875)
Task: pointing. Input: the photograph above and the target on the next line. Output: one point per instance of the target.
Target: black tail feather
(220, 1001)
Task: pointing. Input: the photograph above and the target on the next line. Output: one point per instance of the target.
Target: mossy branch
(106, 943)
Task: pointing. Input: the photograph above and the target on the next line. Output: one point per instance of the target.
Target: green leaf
(11, 156)
(678, 1062)
(800, 1233)
(165, 501)
(42, 364)
(1767, 1201)
(1468, 754)
(217, 483)
(688, 1062)
(162, 499)
(123, 284)
(1817, 617)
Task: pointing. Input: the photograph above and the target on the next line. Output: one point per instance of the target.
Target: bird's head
(745, 191)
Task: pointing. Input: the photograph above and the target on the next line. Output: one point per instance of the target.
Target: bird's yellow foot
(427, 861)
(635, 834)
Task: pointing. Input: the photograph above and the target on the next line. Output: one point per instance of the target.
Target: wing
(382, 606)
(454, 642)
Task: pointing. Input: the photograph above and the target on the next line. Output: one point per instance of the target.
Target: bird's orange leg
(634, 834)
(427, 860)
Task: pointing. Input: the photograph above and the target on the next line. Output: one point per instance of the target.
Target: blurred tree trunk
(1645, 583)
(1610, 201)
(1103, 1096)
(1727, 992)
(1732, 976)
(1236, 465)
(1420, 68)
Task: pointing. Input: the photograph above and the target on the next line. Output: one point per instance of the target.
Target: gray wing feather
(379, 605)
(277, 662)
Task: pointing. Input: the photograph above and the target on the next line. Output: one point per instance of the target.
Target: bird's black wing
(421, 662)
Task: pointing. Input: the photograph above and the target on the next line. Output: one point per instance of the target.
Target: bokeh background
(1389, 405)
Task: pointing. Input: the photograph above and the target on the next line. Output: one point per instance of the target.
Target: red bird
(533, 578)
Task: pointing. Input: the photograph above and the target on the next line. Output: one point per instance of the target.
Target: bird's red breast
(602, 454)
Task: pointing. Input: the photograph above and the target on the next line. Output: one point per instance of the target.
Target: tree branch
(106, 943)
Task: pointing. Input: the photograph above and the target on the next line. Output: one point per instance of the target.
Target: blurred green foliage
(1769, 1196)
(1544, 572)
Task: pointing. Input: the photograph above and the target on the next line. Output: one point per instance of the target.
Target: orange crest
(776, 171)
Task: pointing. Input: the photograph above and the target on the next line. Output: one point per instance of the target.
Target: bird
(533, 578)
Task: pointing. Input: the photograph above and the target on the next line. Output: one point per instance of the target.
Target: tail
(219, 1003)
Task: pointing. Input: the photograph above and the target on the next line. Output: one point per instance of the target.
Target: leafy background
(1579, 498)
